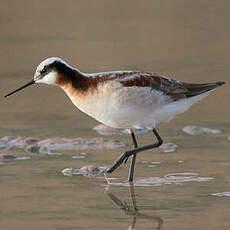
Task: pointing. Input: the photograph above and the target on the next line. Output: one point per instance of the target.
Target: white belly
(130, 107)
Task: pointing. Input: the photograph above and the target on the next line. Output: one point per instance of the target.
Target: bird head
(49, 72)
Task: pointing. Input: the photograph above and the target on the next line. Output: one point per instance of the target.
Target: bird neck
(74, 83)
(79, 88)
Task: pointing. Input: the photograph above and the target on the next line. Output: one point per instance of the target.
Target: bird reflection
(132, 210)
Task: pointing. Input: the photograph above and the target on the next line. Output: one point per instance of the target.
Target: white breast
(130, 107)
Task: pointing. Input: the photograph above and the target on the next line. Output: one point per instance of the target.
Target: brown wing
(175, 89)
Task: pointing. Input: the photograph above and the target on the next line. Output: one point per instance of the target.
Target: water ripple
(174, 178)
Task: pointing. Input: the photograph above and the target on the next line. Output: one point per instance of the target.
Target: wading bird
(122, 99)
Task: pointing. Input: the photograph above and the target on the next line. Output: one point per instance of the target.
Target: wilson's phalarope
(122, 99)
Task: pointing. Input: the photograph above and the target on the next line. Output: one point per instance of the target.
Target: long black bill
(24, 86)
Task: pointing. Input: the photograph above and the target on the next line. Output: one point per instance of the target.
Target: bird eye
(43, 71)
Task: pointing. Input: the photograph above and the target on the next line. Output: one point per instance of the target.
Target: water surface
(187, 40)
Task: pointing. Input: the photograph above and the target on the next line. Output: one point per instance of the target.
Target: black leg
(132, 165)
(124, 157)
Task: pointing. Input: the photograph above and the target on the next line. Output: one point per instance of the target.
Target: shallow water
(187, 40)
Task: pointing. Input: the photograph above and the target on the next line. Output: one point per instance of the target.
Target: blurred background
(186, 40)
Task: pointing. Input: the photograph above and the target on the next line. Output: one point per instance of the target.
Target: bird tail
(196, 89)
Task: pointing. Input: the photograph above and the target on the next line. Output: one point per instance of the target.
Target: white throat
(49, 79)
